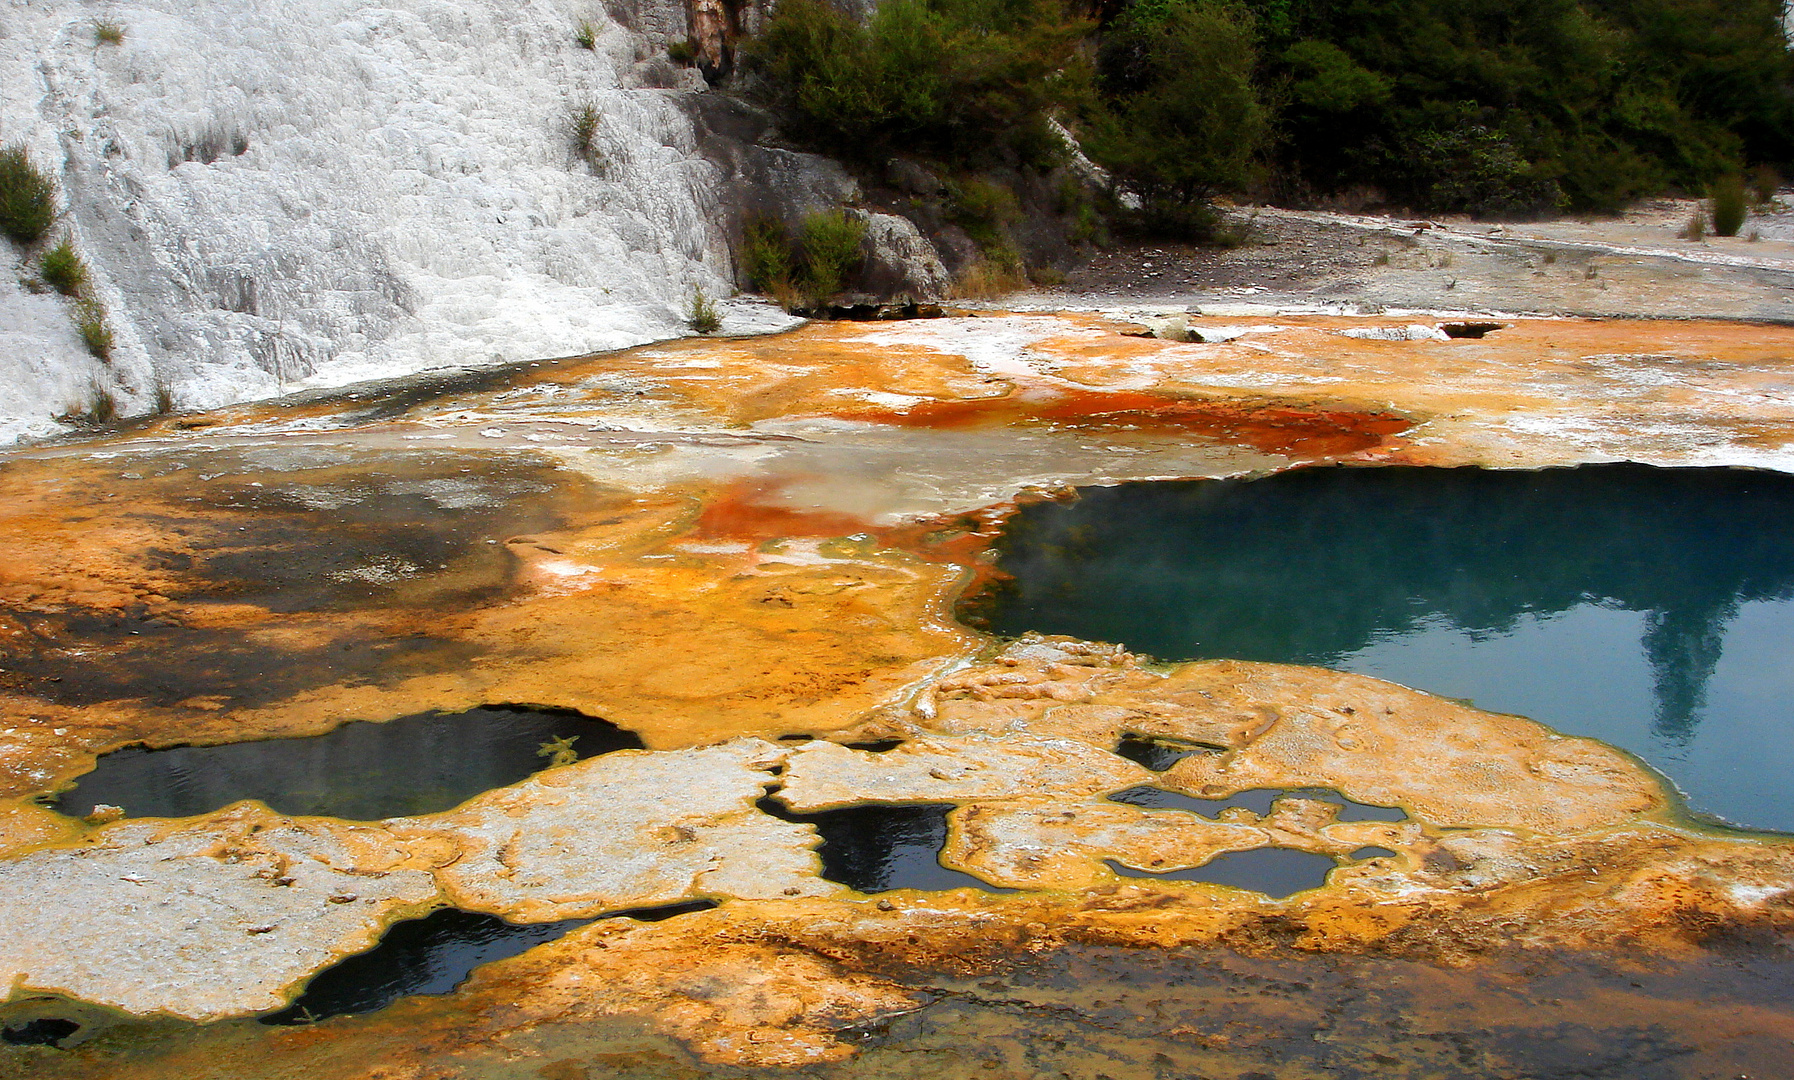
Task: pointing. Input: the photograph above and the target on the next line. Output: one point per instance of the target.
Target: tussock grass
(63, 269)
(704, 318)
(987, 279)
(101, 407)
(90, 321)
(583, 128)
(1729, 205)
(27, 197)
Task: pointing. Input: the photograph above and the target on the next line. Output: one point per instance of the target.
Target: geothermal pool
(826, 829)
(1650, 608)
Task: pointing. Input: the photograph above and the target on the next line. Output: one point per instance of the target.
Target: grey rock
(900, 261)
(908, 176)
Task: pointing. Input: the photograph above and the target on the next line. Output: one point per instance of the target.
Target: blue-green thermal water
(1649, 608)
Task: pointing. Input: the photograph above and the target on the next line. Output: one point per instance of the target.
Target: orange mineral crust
(747, 552)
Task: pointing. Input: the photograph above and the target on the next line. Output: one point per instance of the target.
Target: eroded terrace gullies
(719, 544)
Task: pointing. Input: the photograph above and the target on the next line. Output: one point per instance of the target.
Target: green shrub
(27, 197)
(586, 35)
(766, 259)
(1728, 205)
(1764, 183)
(63, 269)
(831, 245)
(1084, 225)
(90, 320)
(1179, 118)
(703, 317)
(1520, 106)
(682, 52)
(985, 211)
(107, 32)
(954, 80)
(583, 128)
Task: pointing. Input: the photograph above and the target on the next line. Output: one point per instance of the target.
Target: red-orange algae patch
(748, 510)
(1291, 430)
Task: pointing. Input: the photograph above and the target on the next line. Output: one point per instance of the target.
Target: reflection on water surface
(1257, 800)
(882, 846)
(431, 955)
(361, 771)
(1646, 607)
(1277, 872)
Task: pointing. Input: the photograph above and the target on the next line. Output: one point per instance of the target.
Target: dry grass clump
(987, 279)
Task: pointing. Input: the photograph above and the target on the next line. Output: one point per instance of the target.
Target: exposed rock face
(900, 262)
(786, 185)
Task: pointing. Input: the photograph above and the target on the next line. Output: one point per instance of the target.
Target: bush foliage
(1502, 107)
(702, 318)
(831, 244)
(807, 271)
(1179, 119)
(951, 79)
(1521, 106)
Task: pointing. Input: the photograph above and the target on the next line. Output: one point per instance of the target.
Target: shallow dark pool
(878, 847)
(1650, 608)
(431, 955)
(1276, 872)
(1257, 800)
(361, 771)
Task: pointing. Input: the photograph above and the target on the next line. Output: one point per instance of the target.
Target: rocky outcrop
(763, 179)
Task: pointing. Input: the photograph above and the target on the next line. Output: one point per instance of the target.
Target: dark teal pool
(364, 771)
(1650, 608)
(433, 955)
